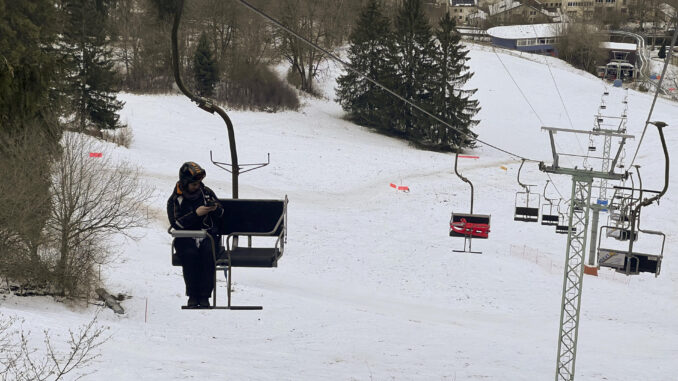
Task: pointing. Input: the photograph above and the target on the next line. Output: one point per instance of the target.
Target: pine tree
(368, 53)
(662, 51)
(450, 101)
(91, 74)
(205, 69)
(28, 67)
(413, 52)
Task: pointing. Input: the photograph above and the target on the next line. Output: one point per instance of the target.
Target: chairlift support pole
(595, 218)
(573, 276)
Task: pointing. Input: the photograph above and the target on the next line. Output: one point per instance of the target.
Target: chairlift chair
(468, 225)
(263, 219)
(549, 212)
(243, 218)
(563, 225)
(623, 260)
(630, 260)
(527, 203)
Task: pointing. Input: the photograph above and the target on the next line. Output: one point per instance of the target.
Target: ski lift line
(523, 94)
(562, 102)
(656, 94)
(350, 68)
(516, 83)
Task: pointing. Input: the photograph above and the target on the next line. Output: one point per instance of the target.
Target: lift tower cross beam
(573, 276)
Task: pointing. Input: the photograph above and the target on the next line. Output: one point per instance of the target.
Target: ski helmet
(190, 172)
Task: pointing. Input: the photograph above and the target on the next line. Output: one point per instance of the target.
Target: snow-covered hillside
(369, 287)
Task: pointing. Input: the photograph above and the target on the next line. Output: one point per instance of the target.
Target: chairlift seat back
(562, 229)
(253, 218)
(621, 234)
(550, 219)
(526, 214)
(478, 225)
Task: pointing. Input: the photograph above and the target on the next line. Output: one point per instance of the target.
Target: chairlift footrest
(470, 252)
(223, 308)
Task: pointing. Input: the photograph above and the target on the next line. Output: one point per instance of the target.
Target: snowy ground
(369, 288)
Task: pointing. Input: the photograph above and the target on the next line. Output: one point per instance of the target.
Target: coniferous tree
(413, 52)
(205, 69)
(28, 67)
(91, 74)
(450, 101)
(29, 130)
(370, 43)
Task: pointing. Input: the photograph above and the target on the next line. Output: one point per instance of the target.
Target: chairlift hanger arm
(635, 212)
(203, 103)
(526, 186)
(649, 201)
(464, 179)
(545, 197)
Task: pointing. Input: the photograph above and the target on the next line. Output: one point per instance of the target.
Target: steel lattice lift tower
(578, 216)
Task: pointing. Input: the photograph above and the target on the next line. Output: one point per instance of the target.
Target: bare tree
(580, 46)
(20, 362)
(317, 21)
(93, 198)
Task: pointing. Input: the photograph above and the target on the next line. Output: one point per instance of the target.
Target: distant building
(461, 10)
(593, 9)
(535, 38)
(619, 51)
(525, 12)
(621, 62)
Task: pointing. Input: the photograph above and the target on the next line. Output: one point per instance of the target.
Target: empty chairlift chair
(563, 225)
(468, 225)
(627, 257)
(527, 203)
(549, 211)
(645, 249)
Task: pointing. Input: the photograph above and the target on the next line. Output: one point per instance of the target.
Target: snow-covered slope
(369, 288)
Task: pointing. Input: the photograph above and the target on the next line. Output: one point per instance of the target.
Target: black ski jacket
(181, 211)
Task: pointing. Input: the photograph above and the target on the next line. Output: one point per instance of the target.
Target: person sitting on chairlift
(192, 206)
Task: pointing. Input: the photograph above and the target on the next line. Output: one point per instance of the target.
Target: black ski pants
(198, 265)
